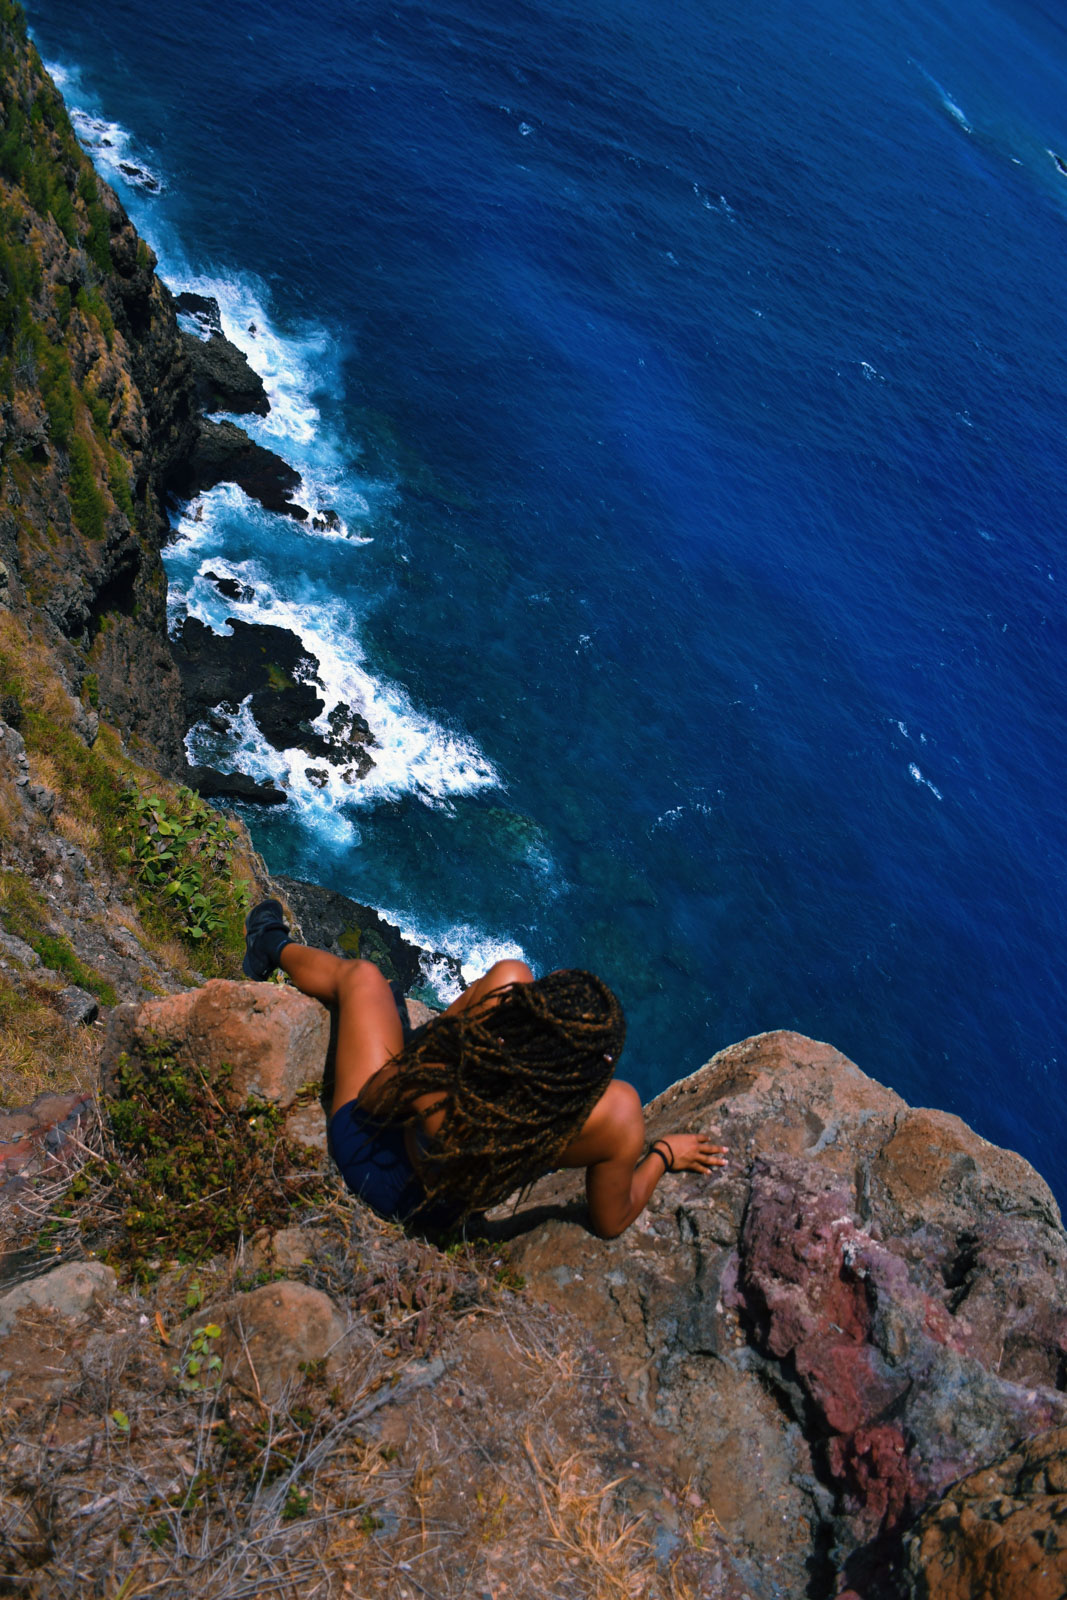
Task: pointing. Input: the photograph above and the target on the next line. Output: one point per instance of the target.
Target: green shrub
(183, 854)
(88, 506)
(57, 390)
(119, 483)
(100, 411)
(61, 296)
(98, 238)
(93, 304)
(199, 1173)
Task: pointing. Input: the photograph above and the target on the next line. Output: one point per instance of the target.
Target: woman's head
(519, 1073)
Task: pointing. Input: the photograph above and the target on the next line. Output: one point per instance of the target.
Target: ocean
(690, 385)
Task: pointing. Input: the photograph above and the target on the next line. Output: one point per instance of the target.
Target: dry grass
(80, 831)
(465, 1442)
(39, 1052)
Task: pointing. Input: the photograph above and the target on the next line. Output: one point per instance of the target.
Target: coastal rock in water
(263, 1039)
(224, 379)
(872, 1303)
(257, 659)
(203, 308)
(215, 785)
(1001, 1532)
(333, 922)
(223, 453)
(232, 588)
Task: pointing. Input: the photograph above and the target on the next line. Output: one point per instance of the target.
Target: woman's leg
(368, 1026)
(498, 975)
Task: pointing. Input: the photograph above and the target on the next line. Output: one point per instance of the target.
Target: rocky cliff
(838, 1370)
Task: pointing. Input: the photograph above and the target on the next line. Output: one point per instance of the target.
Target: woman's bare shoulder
(615, 1127)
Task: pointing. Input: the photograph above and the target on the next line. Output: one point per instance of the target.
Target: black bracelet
(654, 1150)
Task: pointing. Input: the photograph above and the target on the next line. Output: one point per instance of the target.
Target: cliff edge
(838, 1370)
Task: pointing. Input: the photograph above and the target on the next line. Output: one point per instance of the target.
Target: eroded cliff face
(97, 410)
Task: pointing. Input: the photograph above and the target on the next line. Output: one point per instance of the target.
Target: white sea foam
(472, 948)
(954, 110)
(109, 144)
(917, 775)
(292, 366)
(413, 753)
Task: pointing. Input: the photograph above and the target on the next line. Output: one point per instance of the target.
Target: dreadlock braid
(518, 1073)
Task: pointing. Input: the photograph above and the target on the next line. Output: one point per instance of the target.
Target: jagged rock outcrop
(101, 401)
(1001, 1532)
(852, 1347)
(224, 378)
(258, 659)
(223, 453)
(871, 1305)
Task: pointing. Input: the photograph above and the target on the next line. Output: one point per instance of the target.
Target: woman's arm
(619, 1183)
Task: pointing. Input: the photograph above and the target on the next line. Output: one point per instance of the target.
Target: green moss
(91, 689)
(57, 953)
(88, 506)
(118, 480)
(278, 678)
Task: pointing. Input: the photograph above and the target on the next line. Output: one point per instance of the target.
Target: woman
(515, 1079)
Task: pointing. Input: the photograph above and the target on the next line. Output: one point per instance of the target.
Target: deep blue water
(692, 384)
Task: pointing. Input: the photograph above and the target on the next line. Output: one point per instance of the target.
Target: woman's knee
(502, 972)
(361, 980)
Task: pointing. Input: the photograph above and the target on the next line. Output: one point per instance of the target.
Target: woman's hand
(691, 1152)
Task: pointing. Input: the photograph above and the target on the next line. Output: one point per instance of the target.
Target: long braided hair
(518, 1074)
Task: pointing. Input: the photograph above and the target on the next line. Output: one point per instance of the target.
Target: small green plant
(201, 1368)
(120, 1420)
(296, 1504)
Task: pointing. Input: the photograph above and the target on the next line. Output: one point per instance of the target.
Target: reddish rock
(869, 1306)
(1002, 1532)
(273, 1038)
(34, 1139)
